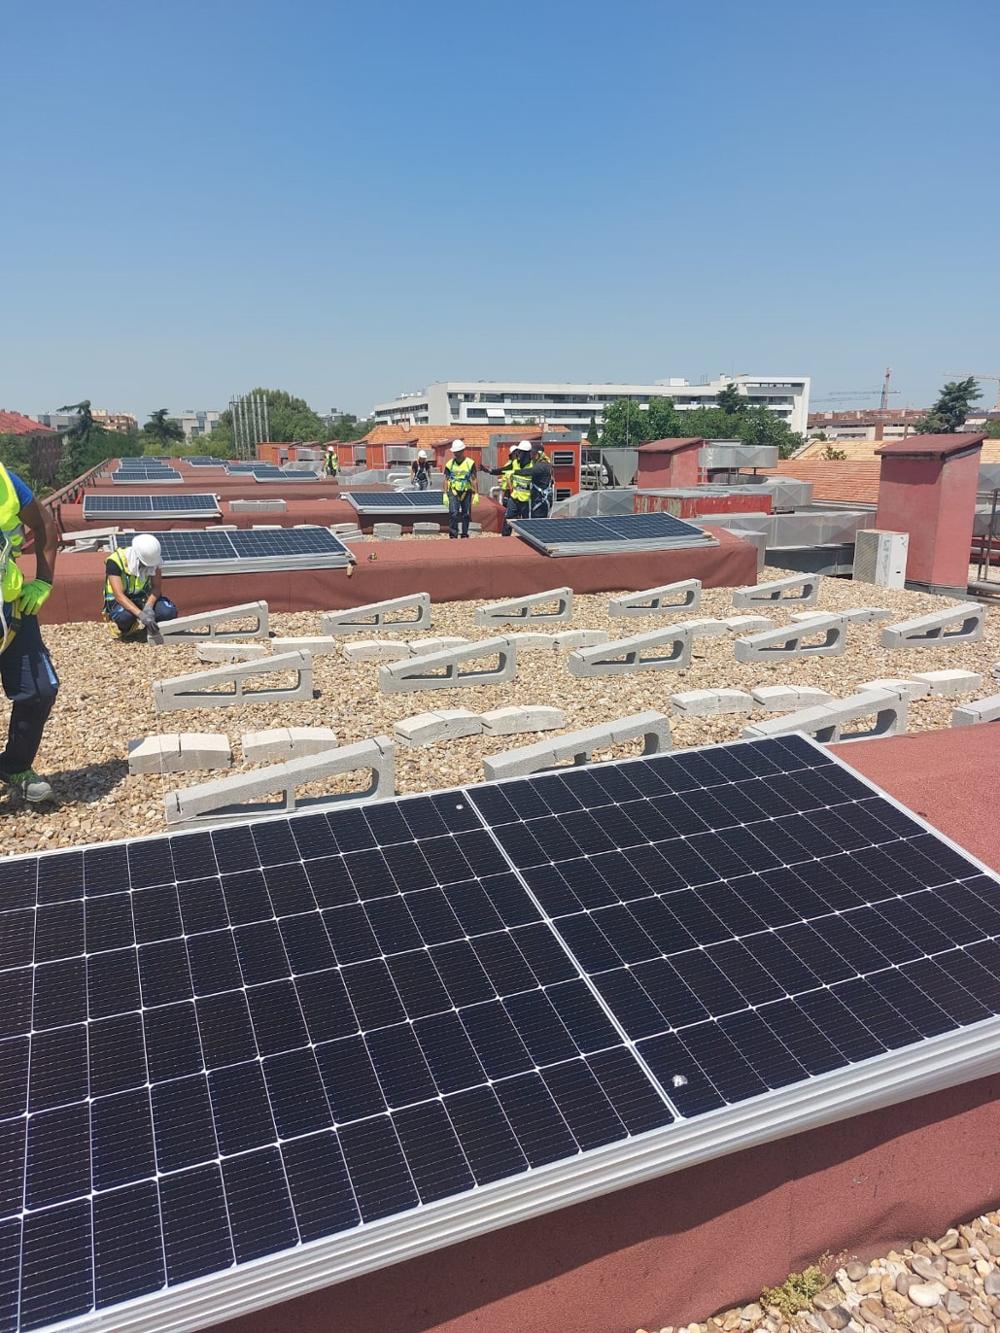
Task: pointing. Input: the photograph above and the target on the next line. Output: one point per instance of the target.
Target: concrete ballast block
(398, 613)
(982, 710)
(956, 624)
(387, 532)
(531, 717)
(180, 752)
(705, 703)
(706, 628)
(435, 644)
(286, 743)
(375, 650)
(682, 596)
(950, 683)
(666, 649)
(795, 591)
(534, 609)
(258, 506)
(793, 640)
(212, 624)
(426, 530)
(440, 671)
(447, 724)
(748, 624)
(579, 638)
(577, 747)
(198, 690)
(236, 798)
(910, 689)
(781, 698)
(827, 722)
(320, 645)
(231, 651)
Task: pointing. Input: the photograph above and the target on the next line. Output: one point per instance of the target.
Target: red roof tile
(850, 481)
(14, 423)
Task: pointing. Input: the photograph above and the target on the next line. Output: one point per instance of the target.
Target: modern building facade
(194, 424)
(887, 423)
(506, 403)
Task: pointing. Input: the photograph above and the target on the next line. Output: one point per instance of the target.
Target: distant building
(122, 422)
(195, 424)
(892, 423)
(508, 403)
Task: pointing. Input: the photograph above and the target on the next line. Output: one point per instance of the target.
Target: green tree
(161, 430)
(346, 427)
(952, 407)
(290, 419)
(593, 434)
(830, 454)
(731, 400)
(625, 423)
(992, 428)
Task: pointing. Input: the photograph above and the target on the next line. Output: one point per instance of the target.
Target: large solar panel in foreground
(207, 551)
(273, 1055)
(140, 506)
(597, 536)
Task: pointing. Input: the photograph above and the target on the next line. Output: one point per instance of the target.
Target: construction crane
(883, 394)
(969, 375)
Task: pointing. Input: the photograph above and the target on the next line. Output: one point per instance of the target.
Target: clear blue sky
(348, 200)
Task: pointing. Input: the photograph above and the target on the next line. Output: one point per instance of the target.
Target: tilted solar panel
(627, 527)
(100, 506)
(205, 551)
(274, 1055)
(401, 501)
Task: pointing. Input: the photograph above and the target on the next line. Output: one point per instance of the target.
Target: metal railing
(986, 542)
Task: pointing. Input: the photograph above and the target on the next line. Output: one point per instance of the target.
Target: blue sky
(352, 200)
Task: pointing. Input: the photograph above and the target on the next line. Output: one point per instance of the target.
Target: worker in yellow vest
(459, 489)
(518, 476)
(332, 461)
(133, 589)
(29, 678)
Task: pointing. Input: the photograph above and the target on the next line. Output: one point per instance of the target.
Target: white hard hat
(457, 446)
(525, 444)
(421, 453)
(147, 548)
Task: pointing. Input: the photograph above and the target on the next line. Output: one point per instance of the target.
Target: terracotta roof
(670, 446)
(856, 449)
(930, 446)
(846, 482)
(14, 423)
(429, 435)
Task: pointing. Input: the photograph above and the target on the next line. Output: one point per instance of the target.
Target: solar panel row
(218, 1046)
(208, 551)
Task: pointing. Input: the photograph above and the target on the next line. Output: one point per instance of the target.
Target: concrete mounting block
(950, 683)
(211, 624)
(982, 710)
(388, 616)
(666, 649)
(320, 645)
(231, 651)
(792, 640)
(956, 624)
(286, 743)
(827, 722)
(577, 747)
(441, 671)
(375, 650)
(706, 703)
(448, 724)
(179, 752)
(579, 638)
(781, 698)
(528, 610)
(801, 590)
(199, 690)
(682, 596)
(911, 689)
(530, 717)
(230, 799)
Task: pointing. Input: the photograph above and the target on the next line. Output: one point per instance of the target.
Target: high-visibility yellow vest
(11, 537)
(332, 464)
(137, 586)
(520, 480)
(459, 475)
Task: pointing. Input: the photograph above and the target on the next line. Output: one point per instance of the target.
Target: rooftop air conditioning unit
(880, 557)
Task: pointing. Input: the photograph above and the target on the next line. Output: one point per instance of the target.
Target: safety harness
(11, 541)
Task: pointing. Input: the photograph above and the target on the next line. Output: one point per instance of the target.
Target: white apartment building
(506, 403)
(194, 424)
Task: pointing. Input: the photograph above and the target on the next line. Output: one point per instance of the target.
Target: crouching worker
(133, 593)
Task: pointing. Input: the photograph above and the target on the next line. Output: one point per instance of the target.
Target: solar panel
(400, 501)
(315, 1043)
(594, 536)
(145, 476)
(140, 506)
(207, 551)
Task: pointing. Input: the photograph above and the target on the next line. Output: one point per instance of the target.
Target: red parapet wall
(691, 506)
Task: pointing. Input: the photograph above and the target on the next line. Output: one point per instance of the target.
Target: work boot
(28, 785)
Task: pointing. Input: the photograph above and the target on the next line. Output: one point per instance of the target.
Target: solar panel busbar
(244, 1063)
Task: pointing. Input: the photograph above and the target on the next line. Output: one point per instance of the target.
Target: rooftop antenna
(883, 404)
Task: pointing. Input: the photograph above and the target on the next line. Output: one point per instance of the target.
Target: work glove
(33, 596)
(444, 499)
(475, 497)
(147, 619)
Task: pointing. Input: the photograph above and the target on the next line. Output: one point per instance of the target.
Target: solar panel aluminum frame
(91, 502)
(934, 1064)
(396, 502)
